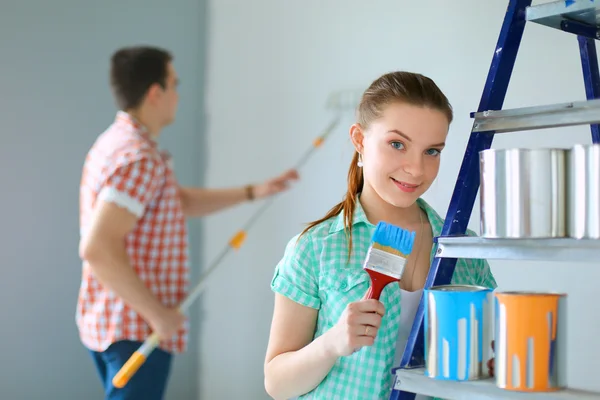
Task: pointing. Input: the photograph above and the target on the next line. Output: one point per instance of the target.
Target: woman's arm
(295, 364)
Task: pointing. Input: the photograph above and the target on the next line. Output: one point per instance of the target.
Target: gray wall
(54, 101)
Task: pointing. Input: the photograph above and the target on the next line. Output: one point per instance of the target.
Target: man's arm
(103, 247)
(119, 206)
(198, 202)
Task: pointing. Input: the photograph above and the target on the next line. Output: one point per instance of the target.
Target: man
(133, 233)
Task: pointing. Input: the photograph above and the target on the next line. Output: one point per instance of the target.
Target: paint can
(523, 193)
(584, 191)
(458, 332)
(530, 341)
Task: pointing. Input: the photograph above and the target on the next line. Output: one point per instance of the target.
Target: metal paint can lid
(518, 293)
(459, 288)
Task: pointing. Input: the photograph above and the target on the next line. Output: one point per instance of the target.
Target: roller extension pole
(138, 358)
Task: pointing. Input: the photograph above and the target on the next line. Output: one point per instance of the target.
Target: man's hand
(167, 322)
(275, 185)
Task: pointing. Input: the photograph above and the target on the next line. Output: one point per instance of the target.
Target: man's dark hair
(133, 70)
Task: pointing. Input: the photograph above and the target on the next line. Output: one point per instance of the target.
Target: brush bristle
(393, 239)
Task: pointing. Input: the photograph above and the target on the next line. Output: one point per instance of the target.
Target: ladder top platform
(555, 13)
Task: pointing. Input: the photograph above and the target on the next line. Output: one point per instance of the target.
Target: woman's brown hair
(394, 87)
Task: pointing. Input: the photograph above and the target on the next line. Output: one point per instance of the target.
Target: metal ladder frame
(467, 185)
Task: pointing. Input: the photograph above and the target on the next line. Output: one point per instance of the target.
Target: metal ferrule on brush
(384, 262)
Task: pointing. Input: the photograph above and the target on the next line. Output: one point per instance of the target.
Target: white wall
(271, 64)
(54, 101)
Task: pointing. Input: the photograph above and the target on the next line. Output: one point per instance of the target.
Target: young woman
(320, 317)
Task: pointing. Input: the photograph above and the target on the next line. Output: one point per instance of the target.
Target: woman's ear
(357, 137)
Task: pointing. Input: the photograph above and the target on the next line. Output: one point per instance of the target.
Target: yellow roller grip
(318, 141)
(128, 370)
(238, 240)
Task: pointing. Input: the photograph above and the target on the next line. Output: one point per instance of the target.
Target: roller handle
(134, 363)
(138, 358)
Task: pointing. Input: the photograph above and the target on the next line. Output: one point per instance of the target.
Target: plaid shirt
(314, 273)
(124, 166)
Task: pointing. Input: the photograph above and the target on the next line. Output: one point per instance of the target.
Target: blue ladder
(579, 17)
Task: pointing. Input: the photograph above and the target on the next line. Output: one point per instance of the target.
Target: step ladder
(578, 17)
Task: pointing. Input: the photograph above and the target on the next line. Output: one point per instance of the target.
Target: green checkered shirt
(313, 272)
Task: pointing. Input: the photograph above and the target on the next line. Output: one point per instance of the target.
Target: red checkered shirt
(124, 166)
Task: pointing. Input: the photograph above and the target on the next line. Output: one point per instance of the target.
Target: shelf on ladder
(538, 117)
(555, 14)
(414, 380)
(552, 249)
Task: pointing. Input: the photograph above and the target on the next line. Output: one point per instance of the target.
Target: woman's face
(401, 151)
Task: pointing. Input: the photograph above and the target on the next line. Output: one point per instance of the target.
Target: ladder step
(538, 117)
(552, 249)
(555, 14)
(415, 381)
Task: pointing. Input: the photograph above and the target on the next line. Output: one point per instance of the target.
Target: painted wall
(271, 66)
(54, 101)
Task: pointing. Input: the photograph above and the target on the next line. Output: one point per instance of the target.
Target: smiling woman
(320, 314)
(433, 150)
(400, 150)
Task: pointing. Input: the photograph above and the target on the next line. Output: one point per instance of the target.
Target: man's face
(167, 103)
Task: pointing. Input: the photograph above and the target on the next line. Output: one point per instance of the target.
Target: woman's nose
(413, 165)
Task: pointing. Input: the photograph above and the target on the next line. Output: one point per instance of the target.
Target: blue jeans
(148, 383)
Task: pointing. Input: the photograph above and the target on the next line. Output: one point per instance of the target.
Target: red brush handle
(378, 282)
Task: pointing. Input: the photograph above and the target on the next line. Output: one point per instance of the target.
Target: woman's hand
(357, 327)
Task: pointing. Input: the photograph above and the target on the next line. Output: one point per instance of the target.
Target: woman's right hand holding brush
(357, 327)
(296, 362)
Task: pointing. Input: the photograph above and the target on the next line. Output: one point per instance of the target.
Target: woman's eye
(433, 152)
(397, 145)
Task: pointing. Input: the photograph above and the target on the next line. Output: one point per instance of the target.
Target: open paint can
(530, 341)
(458, 331)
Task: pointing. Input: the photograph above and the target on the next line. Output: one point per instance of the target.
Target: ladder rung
(552, 249)
(538, 117)
(416, 381)
(555, 13)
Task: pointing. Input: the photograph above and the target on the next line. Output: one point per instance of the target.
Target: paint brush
(386, 258)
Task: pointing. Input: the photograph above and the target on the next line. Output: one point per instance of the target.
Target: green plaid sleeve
(486, 278)
(483, 271)
(296, 274)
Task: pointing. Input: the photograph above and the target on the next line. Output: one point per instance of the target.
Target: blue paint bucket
(458, 332)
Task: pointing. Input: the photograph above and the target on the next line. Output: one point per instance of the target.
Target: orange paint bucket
(530, 341)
